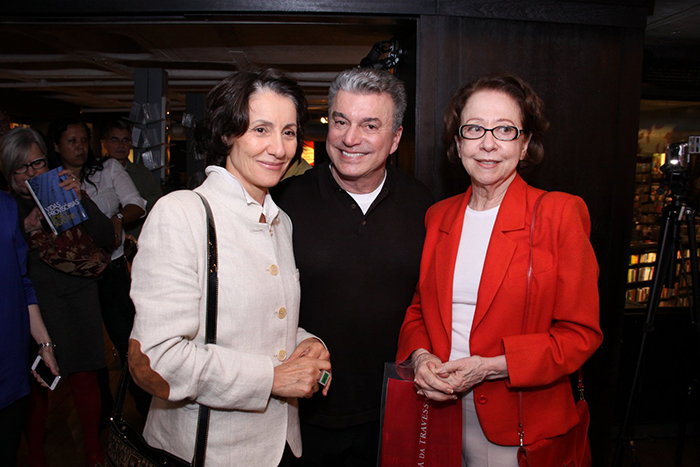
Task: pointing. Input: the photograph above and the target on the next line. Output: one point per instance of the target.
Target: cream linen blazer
(257, 326)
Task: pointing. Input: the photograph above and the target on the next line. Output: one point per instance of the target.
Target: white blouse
(111, 188)
(476, 234)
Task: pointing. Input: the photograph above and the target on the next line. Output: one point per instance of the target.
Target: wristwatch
(120, 216)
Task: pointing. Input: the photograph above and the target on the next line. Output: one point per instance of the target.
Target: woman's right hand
(427, 382)
(299, 377)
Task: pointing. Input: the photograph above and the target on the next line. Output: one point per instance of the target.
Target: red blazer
(563, 330)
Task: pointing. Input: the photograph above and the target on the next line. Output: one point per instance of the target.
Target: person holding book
(111, 188)
(69, 303)
(466, 334)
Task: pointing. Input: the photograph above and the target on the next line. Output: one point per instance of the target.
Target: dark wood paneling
(405, 158)
(613, 12)
(439, 75)
(612, 235)
(436, 78)
(194, 7)
(620, 14)
(575, 69)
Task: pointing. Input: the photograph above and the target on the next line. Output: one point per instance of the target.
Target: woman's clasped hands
(444, 381)
(299, 375)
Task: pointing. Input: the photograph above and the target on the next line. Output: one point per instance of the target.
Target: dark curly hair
(227, 110)
(56, 130)
(531, 110)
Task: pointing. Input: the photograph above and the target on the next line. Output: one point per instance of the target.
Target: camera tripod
(670, 246)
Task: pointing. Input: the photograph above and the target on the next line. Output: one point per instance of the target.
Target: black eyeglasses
(501, 133)
(115, 140)
(36, 164)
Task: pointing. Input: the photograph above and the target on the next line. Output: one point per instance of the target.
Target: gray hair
(371, 81)
(14, 148)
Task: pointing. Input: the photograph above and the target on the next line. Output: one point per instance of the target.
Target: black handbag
(126, 446)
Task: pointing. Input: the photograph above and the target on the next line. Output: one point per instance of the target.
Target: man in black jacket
(358, 237)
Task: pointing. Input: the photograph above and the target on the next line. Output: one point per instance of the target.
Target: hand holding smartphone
(45, 374)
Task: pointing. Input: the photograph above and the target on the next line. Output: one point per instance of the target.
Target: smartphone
(44, 373)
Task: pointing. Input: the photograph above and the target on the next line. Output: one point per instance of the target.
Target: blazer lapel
(445, 258)
(511, 216)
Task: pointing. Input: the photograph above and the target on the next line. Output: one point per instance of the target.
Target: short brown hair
(228, 106)
(531, 110)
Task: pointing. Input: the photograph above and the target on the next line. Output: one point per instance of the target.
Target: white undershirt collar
(269, 208)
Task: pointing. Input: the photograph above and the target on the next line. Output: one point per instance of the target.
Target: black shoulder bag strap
(200, 446)
(523, 330)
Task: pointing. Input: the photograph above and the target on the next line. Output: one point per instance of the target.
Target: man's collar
(328, 186)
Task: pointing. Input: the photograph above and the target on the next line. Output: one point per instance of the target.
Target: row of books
(647, 273)
(641, 294)
(640, 274)
(643, 258)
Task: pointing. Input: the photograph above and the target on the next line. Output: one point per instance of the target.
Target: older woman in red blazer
(463, 333)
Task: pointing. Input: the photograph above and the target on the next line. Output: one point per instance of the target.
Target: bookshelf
(642, 264)
(648, 202)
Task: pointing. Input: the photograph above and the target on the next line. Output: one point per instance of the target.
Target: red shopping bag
(416, 431)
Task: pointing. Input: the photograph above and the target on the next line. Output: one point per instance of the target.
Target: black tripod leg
(663, 263)
(694, 296)
(694, 286)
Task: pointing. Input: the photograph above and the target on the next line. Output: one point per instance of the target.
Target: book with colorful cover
(61, 208)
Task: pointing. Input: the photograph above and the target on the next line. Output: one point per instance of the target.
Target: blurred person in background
(111, 189)
(116, 141)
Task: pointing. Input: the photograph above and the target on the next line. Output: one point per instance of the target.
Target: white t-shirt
(476, 234)
(365, 200)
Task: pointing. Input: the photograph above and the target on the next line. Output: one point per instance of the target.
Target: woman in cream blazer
(262, 361)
